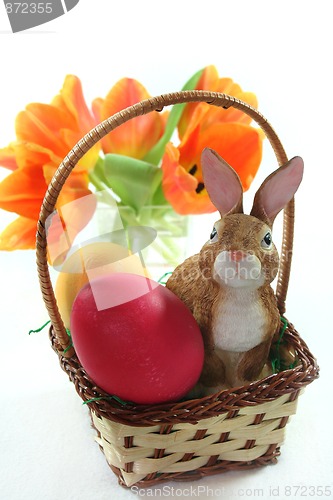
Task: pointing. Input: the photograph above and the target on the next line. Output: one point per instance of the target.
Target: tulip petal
(97, 107)
(240, 145)
(76, 205)
(208, 114)
(40, 124)
(217, 114)
(208, 77)
(188, 148)
(73, 101)
(45, 134)
(205, 115)
(87, 162)
(76, 186)
(7, 158)
(19, 235)
(74, 211)
(179, 186)
(59, 126)
(28, 154)
(136, 137)
(22, 191)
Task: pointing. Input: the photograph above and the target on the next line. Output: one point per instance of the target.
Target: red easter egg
(136, 339)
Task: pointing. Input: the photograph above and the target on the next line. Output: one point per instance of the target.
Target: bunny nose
(237, 255)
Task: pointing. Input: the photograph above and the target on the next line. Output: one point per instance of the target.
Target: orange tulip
(45, 134)
(7, 158)
(226, 131)
(136, 137)
(210, 80)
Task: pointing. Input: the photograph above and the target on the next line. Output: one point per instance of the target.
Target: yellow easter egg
(87, 263)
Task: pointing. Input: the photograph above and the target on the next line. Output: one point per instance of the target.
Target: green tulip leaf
(159, 198)
(156, 153)
(97, 176)
(133, 181)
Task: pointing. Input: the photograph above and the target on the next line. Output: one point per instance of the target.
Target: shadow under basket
(234, 429)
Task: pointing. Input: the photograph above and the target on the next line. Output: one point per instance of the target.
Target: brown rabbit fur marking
(243, 309)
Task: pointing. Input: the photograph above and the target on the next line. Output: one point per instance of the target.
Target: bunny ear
(222, 183)
(277, 190)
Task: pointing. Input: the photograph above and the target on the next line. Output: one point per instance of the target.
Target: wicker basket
(234, 429)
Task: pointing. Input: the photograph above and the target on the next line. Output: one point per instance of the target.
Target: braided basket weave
(234, 429)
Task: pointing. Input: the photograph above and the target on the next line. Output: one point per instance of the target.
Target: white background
(282, 51)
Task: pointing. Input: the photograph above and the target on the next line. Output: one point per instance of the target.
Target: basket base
(192, 467)
(270, 458)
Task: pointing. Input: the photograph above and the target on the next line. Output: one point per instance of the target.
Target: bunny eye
(267, 241)
(213, 235)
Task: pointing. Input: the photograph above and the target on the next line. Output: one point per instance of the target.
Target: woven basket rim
(194, 410)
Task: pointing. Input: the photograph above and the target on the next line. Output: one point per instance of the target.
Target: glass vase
(171, 244)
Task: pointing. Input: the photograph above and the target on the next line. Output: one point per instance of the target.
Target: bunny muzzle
(238, 269)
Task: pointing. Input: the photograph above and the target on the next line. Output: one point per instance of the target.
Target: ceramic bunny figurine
(227, 285)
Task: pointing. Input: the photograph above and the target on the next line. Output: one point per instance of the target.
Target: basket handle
(102, 129)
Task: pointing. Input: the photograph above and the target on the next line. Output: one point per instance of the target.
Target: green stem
(95, 181)
(156, 153)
